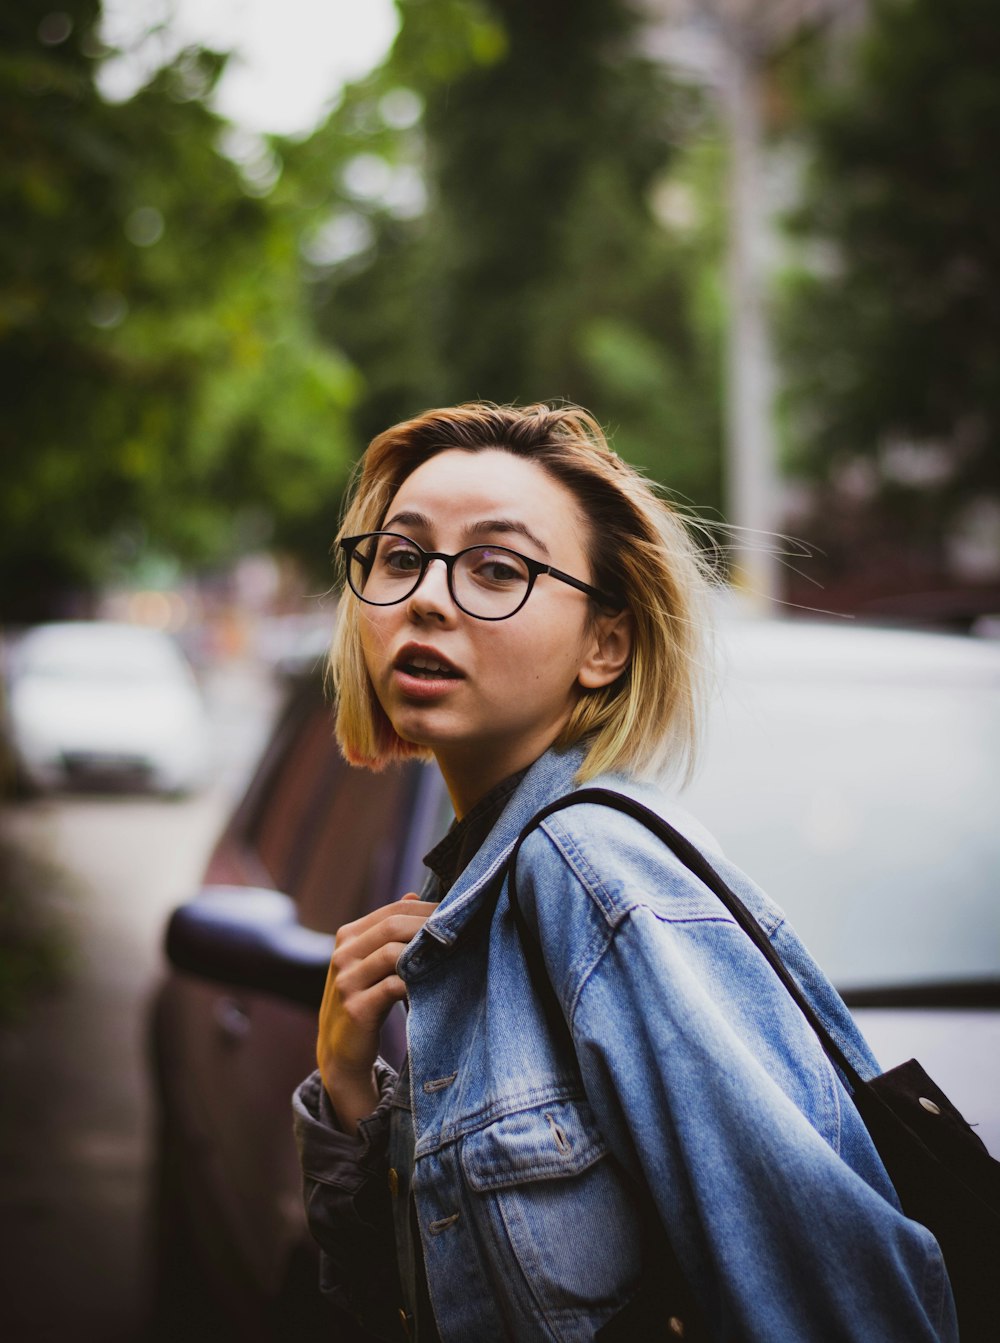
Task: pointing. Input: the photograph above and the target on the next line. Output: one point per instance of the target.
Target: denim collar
(452, 855)
(552, 775)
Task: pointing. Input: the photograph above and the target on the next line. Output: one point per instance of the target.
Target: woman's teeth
(426, 668)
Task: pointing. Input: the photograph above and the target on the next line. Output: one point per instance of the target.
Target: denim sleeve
(348, 1205)
(710, 1087)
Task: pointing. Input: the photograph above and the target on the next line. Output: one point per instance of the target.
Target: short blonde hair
(645, 722)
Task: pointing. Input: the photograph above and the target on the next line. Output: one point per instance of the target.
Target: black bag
(941, 1170)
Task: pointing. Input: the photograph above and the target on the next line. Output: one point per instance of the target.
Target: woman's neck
(469, 781)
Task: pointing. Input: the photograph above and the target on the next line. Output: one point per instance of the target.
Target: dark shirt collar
(452, 855)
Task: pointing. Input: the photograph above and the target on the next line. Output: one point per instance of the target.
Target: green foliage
(892, 330)
(193, 351)
(159, 364)
(540, 269)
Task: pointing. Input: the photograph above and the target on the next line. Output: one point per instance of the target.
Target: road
(76, 1116)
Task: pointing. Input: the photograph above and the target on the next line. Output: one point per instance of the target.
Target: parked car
(100, 703)
(853, 772)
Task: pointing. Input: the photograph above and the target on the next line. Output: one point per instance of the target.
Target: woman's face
(508, 686)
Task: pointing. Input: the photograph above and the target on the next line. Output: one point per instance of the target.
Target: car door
(339, 841)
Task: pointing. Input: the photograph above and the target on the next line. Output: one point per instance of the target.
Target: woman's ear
(609, 651)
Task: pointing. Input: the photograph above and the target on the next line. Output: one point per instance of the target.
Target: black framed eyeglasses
(486, 582)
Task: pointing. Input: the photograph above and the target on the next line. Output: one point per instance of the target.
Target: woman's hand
(361, 988)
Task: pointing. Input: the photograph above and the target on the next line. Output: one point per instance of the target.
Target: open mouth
(428, 669)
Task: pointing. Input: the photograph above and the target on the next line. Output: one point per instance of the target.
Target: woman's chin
(417, 728)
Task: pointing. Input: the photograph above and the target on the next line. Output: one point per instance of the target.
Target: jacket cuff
(326, 1151)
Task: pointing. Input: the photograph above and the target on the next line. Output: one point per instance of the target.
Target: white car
(99, 703)
(855, 774)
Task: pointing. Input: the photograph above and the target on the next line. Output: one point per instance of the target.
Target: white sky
(292, 56)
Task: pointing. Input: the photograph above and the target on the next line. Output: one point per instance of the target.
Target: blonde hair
(645, 722)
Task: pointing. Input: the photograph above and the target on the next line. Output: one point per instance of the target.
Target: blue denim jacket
(694, 1077)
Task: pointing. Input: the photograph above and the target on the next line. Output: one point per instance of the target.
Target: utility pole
(751, 476)
(725, 44)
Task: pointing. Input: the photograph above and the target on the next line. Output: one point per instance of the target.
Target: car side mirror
(250, 938)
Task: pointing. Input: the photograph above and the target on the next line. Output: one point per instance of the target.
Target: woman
(524, 609)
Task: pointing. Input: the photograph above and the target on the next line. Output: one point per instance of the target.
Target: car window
(351, 863)
(868, 811)
(326, 834)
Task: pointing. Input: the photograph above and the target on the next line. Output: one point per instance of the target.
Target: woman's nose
(432, 595)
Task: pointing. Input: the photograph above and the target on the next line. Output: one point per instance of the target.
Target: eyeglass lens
(487, 581)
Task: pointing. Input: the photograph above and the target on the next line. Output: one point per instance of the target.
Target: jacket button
(675, 1326)
(393, 1181)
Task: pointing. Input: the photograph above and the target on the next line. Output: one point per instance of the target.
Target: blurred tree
(199, 328)
(571, 239)
(164, 389)
(892, 325)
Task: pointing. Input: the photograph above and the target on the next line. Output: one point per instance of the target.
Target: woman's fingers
(357, 945)
(362, 983)
(371, 925)
(362, 986)
(363, 980)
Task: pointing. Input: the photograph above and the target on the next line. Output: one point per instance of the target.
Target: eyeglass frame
(536, 568)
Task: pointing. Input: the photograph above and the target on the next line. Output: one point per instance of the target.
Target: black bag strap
(696, 862)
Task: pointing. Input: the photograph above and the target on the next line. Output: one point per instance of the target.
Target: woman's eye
(499, 569)
(402, 560)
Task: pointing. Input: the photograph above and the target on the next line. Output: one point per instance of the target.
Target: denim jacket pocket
(554, 1197)
(550, 1142)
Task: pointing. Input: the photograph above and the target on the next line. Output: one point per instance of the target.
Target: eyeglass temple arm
(349, 545)
(604, 598)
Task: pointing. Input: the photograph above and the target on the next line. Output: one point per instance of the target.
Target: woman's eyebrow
(485, 527)
(490, 526)
(408, 519)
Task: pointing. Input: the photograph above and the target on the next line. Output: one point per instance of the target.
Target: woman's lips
(423, 660)
(422, 673)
